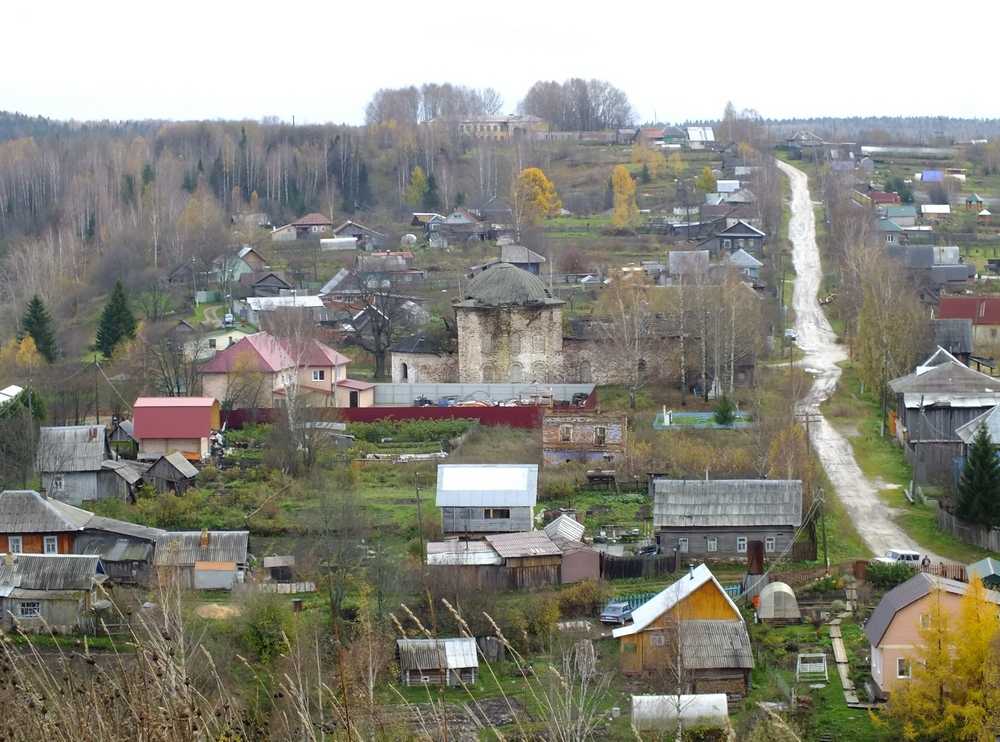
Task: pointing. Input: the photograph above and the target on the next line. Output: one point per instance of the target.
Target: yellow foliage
(28, 357)
(417, 188)
(706, 181)
(535, 196)
(653, 159)
(676, 165)
(626, 212)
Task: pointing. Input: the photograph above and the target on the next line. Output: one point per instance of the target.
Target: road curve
(871, 516)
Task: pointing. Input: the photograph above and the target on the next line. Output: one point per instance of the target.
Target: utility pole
(420, 522)
(822, 520)
(97, 398)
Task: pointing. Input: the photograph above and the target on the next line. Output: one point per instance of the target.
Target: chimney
(8, 560)
(691, 571)
(203, 542)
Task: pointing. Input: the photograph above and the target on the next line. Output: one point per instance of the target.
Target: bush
(725, 411)
(264, 624)
(541, 615)
(885, 576)
(583, 598)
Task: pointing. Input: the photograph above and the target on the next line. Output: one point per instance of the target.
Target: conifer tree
(432, 199)
(979, 488)
(37, 323)
(117, 322)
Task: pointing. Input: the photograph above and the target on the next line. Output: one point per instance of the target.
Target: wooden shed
(437, 661)
(172, 473)
(531, 557)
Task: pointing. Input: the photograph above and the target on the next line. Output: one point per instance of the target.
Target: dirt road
(871, 516)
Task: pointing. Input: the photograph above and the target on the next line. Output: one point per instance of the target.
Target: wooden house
(531, 558)
(932, 403)
(449, 662)
(739, 236)
(202, 560)
(366, 237)
(717, 518)
(172, 473)
(481, 499)
(893, 630)
(584, 435)
(167, 424)
(70, 459)
(50, 592)
(263, 283)
(696, 618)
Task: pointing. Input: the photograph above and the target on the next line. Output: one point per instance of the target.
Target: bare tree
(384, 316)
(626, 326)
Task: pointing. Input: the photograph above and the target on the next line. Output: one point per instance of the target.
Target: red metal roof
(982, 310)
(174, 417)
(266, 354)
(882, 197)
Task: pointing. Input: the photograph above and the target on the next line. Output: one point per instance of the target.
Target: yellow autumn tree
(535, 197)
(706, 181)
(626, 213)
(653, 159)
(676, 165)
(417, 188)
(952, 693)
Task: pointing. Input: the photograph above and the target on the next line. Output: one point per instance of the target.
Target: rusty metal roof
(183, 548)
(525, 544)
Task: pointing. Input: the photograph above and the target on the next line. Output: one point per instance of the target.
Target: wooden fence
(489, 577)
(984, 538)
(623, 568)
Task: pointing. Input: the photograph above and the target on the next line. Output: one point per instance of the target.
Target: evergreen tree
(432, 199)
(979, 488)
(644, 176)
(117, 322)
(365, 197)
(37, 323)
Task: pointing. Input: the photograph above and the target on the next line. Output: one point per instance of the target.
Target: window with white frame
(741, 544)
(902, 667)
(712, 544)
(51, 545)
(319, 374)
(600, 435)
(29, 609)
(769, 543)
(566, 433)
(14, 544)
(682, 545)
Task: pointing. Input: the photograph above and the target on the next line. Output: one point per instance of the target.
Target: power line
(101, 369)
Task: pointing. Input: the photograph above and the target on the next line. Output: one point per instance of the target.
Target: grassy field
(882, 461)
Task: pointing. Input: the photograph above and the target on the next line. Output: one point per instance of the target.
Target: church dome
(504, 285)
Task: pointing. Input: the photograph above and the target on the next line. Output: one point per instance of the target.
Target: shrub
(583, 598)
(264, 624)
(725, 411)
(884, 575)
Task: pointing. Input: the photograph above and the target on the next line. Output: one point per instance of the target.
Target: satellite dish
(408, 240)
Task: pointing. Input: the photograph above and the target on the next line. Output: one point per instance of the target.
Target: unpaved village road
(816, 338)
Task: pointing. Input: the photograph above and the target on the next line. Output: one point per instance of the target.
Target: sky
(321, 61)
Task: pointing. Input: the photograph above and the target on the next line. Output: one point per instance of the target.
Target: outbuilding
(167, 424)
(203, 560)
(480, 499)
(49, 592)
(437, 661)
(778, 604)
(664, 713)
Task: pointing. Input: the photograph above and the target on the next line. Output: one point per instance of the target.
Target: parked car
(791, 335)
(648, 550)
(616, 612)
(905, 556)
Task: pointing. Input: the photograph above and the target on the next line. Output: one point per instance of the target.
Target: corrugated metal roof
(455, 553)
(989, 419)
(526, 544)
(942, 373)
(984, 568)
(184, 467)
(26, 511)
(130, 471)
(174, 417)
(485, 485)
(124, 528)
(50, 572)
(112, 548)
(437, 654)
(711, 645)
(667, 598)
(565, 527)
(72, 448)
(726, 502)
(183, 548)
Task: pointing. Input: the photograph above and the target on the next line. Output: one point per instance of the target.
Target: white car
(894, 556)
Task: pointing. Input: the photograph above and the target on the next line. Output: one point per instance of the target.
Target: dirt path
(871, 516)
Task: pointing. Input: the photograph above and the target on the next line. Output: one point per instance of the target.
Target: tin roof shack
(893, 630)
(579, 561)
(202, 560)
(932, 403)
(31, 523)
(70, 460)
(49, 592)
(531, 558)
(167, 424)
(437, 661)
(581, 435)
(477, 499)
(172, 473)
(696, 618)
(716, 519)
(279, 568)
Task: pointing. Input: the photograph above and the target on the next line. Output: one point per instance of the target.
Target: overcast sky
(321, 61)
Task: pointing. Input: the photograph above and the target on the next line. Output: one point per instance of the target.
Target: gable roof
(258, 352)
(888, 225)
(742, 259)
(180, 464)
(687, 262)
(479, 485)
(741, 229)
(565, 527)
(892, 211)
(72, 448)
(26, 511)
(907, 593)
(944, 377)
(183, 548)
(700, 134)
(954, 335)
(524, 544)
(715, 645)
(452, 553)
(989, 419)
(313, 219)
(669, 597)
(982, 310)
(680, 503)
(357, 227)
(984, 568)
